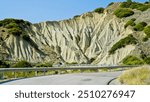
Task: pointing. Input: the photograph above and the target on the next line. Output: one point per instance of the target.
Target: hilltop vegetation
(15, 26)
(135, 5)
(126, 8)
(123, 12)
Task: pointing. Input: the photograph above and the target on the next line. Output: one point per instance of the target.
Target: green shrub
(132, 60)
(22, 64)
(15, 31)
(135, 5)
(143, 8)
(147, 60)
(130, 22)
(48, 64)
(147, 31)
(145, 39)
(26, 37)
(14, 26)
(11, 20)
(125, 4)
(99, 10)
(140, 26)
(133, 19)
(11, 25)
(4, 64)
(122, 43)
(123, 12)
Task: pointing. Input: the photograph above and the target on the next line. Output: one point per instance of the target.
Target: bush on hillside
(143, 8)
(147, 60)
(122, 43)
(135, 5)
(99, 10)
(147, 31)
(4, 64)
(145, 39)
(132, 60)
(11, 20)
(15, 31)
(26, 37)
(130, 22)
(123, 12)
(22, 64)
(140, 26)
(11, 25)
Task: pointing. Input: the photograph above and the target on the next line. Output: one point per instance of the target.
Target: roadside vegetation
(46, 64)
(22, 64)
(122, 43)
(132, 60)
(4, 64)
(137, 76)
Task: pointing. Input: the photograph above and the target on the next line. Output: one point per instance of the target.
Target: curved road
(101, 78)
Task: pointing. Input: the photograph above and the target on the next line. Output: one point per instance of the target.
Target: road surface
(101, 78)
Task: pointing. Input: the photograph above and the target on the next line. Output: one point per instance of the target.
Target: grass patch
(21, 64)
(137, 76)
(147, 31)
(140, 26)
(132, 60)
(147, 60)
(130, 22)
(123, 12)
(122, 43)
(135, 5)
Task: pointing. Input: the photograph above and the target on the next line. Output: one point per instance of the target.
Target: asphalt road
(101, 78)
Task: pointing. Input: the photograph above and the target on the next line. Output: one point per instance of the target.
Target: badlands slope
(83, 39)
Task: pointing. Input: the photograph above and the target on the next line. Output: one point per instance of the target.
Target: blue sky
(48, 10)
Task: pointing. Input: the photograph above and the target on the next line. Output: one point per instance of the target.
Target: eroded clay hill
(87, 38)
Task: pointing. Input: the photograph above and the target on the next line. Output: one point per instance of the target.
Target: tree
(129, 0)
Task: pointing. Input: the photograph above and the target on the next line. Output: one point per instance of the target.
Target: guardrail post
(44, 72)
(36, 73)
(15, 75)
(109, 69)
(2, 75)
(122, 69)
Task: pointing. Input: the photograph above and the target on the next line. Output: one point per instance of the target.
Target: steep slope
(82, 39)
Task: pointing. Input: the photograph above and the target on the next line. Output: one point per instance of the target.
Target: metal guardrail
(45, 69)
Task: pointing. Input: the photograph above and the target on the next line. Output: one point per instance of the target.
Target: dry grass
(137, 76)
